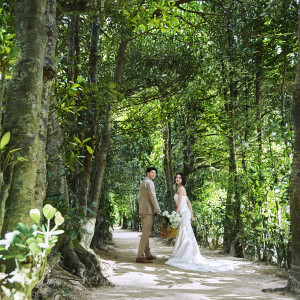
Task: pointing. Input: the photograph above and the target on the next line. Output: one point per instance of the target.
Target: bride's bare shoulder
(181, 191)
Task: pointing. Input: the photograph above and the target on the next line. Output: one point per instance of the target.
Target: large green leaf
(5, 140)
(49, 211)
(22, 228)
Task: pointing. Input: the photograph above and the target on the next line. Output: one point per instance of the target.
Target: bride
(186, 254)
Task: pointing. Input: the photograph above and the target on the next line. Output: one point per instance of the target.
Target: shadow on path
(159, 281)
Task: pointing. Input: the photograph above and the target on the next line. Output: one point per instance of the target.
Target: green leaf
(32, 229)
(77, 140)
(30, 240)
(22, 228)
(75, 86)
(112, 85)
(39, 240)
(89, 210)
(49, 211)
(7, 256)
(20, 158)
(73, 234)
(21, 257)
(5, 140)
(35, 249)
(89, 149)
(14, 150)
(14, 51)
(35, 215)
(48, 251)
(85, 140)
(59, 218)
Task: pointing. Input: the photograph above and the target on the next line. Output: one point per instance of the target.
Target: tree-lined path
(92, 92)
(159, 281)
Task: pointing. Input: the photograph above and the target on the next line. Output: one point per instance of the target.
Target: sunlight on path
(160, 281)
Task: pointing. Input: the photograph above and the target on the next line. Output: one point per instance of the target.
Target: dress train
(186, 254)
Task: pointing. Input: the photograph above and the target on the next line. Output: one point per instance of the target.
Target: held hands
(158, 212)
(193, 218)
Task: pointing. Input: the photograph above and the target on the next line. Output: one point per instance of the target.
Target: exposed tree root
(56, 285)
(93, 272)
(79, 268)
(84, 264)
(99, 240)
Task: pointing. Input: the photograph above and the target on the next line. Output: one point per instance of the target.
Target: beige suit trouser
(147, 222)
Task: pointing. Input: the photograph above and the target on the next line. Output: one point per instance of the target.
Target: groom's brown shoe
(143, 260)
(151, 257)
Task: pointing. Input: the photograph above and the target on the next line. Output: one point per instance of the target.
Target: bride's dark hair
(182, 177)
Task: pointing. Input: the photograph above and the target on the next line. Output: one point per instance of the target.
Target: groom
(148, 206)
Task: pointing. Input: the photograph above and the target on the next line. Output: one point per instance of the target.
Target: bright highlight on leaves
(35, 215)
(59, 219)
(49, 211)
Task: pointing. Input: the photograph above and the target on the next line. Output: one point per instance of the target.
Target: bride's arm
(190, 207)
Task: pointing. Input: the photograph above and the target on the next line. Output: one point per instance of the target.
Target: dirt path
(159, 281)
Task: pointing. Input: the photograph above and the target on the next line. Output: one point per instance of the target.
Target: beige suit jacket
(147, 198)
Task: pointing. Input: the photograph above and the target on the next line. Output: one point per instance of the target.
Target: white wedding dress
(186, 254)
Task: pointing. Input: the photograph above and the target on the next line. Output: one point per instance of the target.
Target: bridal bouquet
(171, 219)
(169, 224)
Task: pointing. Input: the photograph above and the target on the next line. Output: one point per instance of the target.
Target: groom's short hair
(151, 169)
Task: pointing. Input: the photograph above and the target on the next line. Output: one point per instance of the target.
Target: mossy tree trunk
(57, 181)
(23, 110)
(90, 120)
(26, 118)
(48, 79)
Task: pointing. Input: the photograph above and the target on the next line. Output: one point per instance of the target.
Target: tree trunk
(233, 206)
(22, 118)
(2, 87)
(233, 224)
(57, 181)
(91, 120)
(26, 118)
(294, 274)
(73, 53)
(71, 47)
(100, 159)
(168, 166)
(5, 184)
(48, 79)
(188, 154)
(105, 134)
(73, 72)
